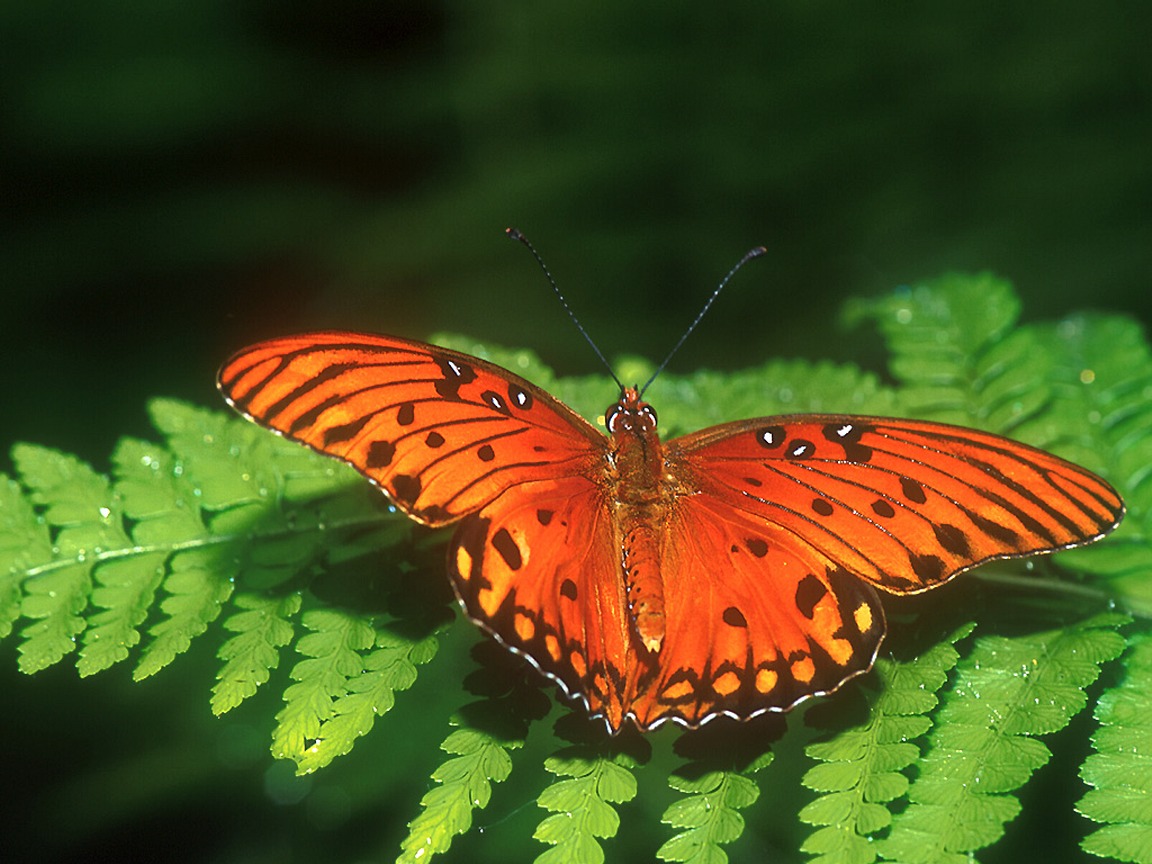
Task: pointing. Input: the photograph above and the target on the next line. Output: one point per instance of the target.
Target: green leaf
(1120, 771)
(581, 805)
(24, 543)
(262, 628)
(860, 768)
(78, 505)
(708, 816)
(1006, 690)
(332, 652)
(479, 760)
(390, 667)
(195, 597)
(955, 354)
(1102, 418)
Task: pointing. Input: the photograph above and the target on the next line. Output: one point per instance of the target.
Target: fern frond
(777, 387)
(983, 748)
(195, 597)
(79, 509)
(859, 770)
(953, 349)
(24, 543)
(478, 760)
(1119, 771)
(389, 667)
(225, 523)
(709, 812)
(490, 728)
(262, 626)
(581, 803)
(1103, 419)
(332, 656)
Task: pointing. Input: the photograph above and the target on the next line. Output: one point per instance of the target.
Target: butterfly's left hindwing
(441, 432)
(755, 619)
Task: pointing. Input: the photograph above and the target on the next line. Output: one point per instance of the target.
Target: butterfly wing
(756, 619)
(904, 504)
(767, 562)
(443, 433)
(540, 570)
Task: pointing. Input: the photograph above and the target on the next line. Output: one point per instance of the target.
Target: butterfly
(728, 572)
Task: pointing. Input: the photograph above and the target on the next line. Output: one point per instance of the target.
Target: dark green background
(181, 178)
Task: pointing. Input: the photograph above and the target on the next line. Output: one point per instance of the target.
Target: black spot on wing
(568, 589)
(405, 488)
(486, 453)
(809, 592)
(952, 539)
(928, 567)
(848, 435)
(882, 508)
(406, 414)
(520, 398)
(733, 617)
(456, 375)
(380, 454)
(496, 402)
(503, 543)
(801, 449)
(912, 490)
(822, 507)
(771, 437)
(434, 439)
(756, 546)
(544, 516)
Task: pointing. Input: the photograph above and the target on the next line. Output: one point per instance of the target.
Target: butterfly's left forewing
(904, 504)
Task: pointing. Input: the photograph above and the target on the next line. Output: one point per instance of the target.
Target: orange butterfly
(727, 572)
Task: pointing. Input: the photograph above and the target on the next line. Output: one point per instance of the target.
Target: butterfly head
(629, 414)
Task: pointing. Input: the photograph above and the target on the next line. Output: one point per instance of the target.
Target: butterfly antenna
(748, 256)
(515, 234)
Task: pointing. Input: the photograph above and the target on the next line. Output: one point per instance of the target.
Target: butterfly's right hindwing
(539, 569)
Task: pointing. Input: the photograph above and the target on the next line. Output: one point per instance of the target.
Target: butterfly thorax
(641, 496)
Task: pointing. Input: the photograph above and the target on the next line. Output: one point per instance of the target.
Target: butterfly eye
(610, 417)
(648, 416)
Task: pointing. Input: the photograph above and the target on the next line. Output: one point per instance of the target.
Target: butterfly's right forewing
(441, 432)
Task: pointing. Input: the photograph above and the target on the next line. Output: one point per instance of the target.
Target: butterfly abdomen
(643, 500)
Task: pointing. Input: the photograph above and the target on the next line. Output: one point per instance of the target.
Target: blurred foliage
(183, 178)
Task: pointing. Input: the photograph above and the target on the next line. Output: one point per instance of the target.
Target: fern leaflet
(389, 667)
(581, 804)
(859, 770)
(982, 747)
(332, 656)
(78, 507)
(1119, 770)
(490, 728)
(262, 626)
(710, 811)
